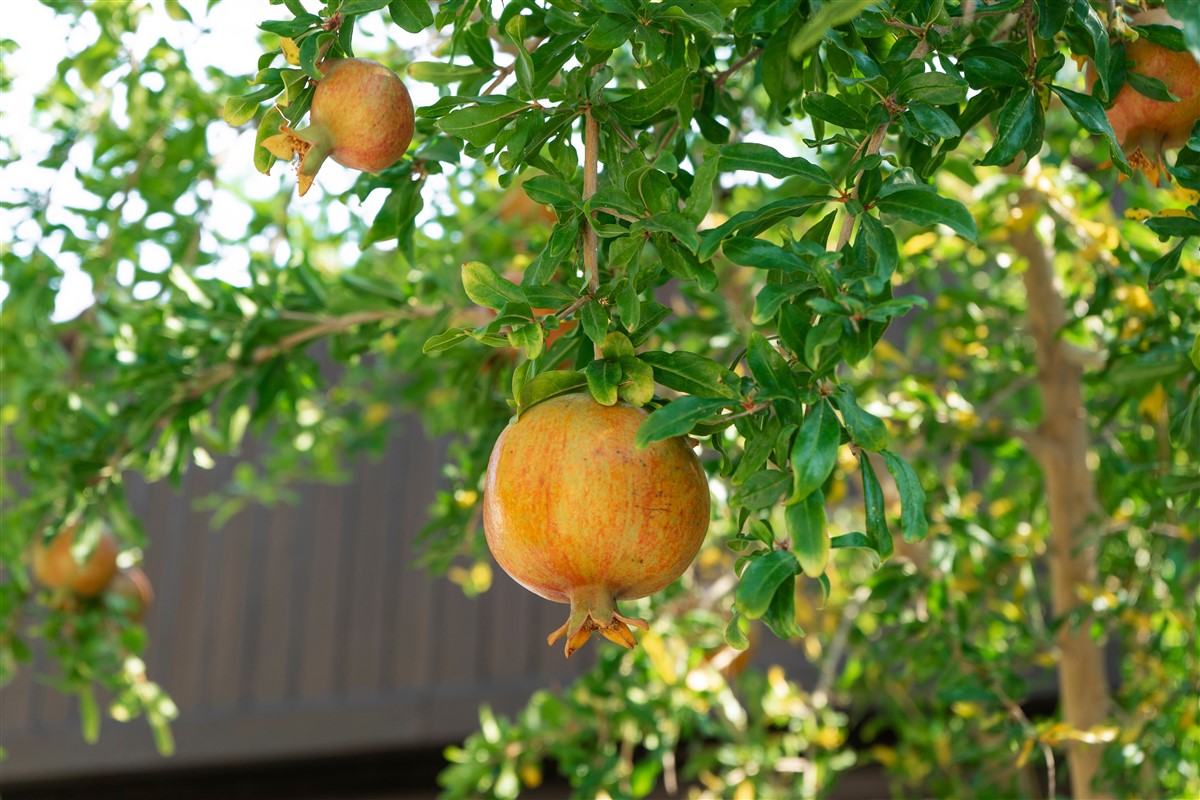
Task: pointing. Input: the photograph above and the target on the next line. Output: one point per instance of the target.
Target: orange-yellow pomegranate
(576, 513)
(361, 117)
(55, 567)
(1146, 127)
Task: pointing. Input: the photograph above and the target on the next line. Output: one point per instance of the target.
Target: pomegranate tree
(1144, 126)
(361, 117)
(576, 513)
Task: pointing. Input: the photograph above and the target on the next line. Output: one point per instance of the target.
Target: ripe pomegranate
(1145, 127)
(133, 585)
(55, 567)
(576, 513)
(361, 117)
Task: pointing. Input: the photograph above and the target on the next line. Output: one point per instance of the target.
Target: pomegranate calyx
(308, 148)
(598, 616)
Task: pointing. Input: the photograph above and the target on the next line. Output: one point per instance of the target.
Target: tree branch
(1062, 451)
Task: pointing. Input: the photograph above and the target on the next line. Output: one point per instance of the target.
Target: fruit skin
(361, 117)
(1144, 126)
(132, 584)
(574, 512)
(54, 566)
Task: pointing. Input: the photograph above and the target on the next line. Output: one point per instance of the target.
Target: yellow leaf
(291, 52)
(1154, 403)
(919, 243)
(1026, 750)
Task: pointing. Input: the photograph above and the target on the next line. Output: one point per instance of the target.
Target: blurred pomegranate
(576, 513)
(55, 567)
(133, 585)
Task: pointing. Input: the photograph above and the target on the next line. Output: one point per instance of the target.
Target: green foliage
(803, 258)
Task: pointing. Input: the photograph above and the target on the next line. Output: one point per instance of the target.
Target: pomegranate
(1144, 126)
(133, 585)
(576, 513)
(361, 117)
(55, 567)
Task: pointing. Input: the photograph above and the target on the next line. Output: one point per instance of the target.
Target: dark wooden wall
(302, 631)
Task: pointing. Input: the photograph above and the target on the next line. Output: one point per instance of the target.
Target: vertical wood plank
(414, 617)
(363, 630)
(272, 616)
(323, 587)
(199, 568)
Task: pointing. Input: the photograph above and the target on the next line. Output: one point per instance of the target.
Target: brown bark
(1060, 445)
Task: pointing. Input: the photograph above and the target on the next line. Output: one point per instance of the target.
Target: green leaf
(761, 254)
(763, 16)
(763, 577)
(993, 66)
(616, 345)
(833, 109)
(761, 490)
(645, 103)
(629, 305)
(603, 376)
(772, 296)
(444, 340)
(268, 126)
(637, 383)
(913, 522)
(935, 88)
(735, 637)
(480, 124)
(353, 7)
(754, 221)
(677, 418)
(923, 207)
(828, 16)
(1168, 225)
(1088, 112)
(413, 16)
(529, 338)
(652, 314)
(488, 288)
(681, 229)
(1019, 127)
(877, 529)
(594, 318)
(441, 73)
(806, 526)
(774, 376)
(240, 110)
(550, 190)
(700, 14)
(700, 196)
(814, 451)
(291, 28)
(866, 430)
(1151, 87)
(1051, 15)
(769, 161)
(1166, 266)
(547, 385)
(781, 614)
(691, 373)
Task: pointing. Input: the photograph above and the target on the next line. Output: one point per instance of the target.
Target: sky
(224, 37)
(44, 38)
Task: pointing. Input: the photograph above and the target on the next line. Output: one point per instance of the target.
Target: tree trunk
(1060, 445)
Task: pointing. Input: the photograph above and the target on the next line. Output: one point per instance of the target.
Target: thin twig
(873, 145)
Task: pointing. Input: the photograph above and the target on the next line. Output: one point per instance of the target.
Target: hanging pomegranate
(361, 117)
(576, 513)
